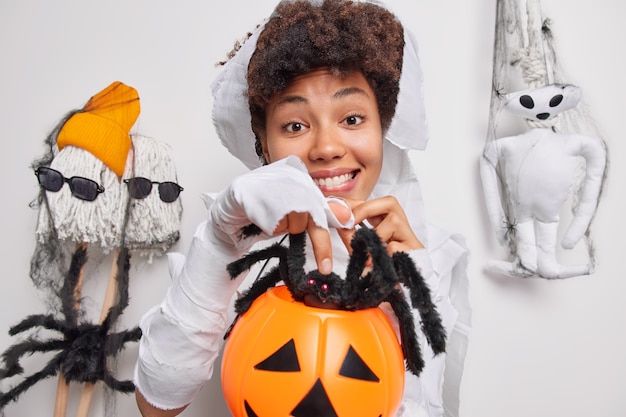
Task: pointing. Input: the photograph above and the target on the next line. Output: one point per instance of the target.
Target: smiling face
(331, 122)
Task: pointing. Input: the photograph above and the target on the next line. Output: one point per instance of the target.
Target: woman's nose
(327, 144)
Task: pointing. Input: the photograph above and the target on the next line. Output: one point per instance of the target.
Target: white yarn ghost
(153, 225)
(528, 178)
(75, 221)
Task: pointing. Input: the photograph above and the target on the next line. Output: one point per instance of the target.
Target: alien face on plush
(543, 103)
(528, 178)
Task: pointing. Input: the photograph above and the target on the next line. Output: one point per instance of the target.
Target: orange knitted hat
(102, 126)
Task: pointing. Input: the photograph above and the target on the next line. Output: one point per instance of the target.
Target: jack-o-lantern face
(286, 359)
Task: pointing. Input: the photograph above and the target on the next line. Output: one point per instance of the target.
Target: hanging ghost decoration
(537, 175)
(557, 160)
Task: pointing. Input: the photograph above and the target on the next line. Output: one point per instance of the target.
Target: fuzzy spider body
(360, 289)
(84, 347)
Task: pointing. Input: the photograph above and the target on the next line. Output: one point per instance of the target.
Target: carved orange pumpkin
(283, 359)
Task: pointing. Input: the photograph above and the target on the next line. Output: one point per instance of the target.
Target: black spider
(84, 347)
(359, 290)
(511, 229)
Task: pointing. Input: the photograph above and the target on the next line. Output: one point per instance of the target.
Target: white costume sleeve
(182, 336)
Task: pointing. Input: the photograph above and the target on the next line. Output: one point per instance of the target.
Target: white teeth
(333, 181)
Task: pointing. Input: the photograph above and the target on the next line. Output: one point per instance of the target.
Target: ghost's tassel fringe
(153, 226)
(96, 222)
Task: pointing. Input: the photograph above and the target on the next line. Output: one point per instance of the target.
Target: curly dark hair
(342, 35)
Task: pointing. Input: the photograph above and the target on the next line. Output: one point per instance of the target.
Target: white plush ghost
(529, 177)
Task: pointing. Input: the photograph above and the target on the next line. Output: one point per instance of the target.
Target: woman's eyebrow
(344, 92)
(291, 99)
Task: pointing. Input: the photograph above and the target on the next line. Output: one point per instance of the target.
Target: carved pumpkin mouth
(316, 402)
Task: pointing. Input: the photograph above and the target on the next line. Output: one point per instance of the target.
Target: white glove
(265, 196)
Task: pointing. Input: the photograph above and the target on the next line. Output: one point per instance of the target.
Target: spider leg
(51, 369)
(262, 283)
(421, 300)
(68, 293)
(290, 269)
(46, 321)
(408, 336)
(12, 355)
(237, 267)
(116, 341)
(372, 288)
(294, 262)
(259, 287)
(122, 278)
(360, 254)
(126, 386)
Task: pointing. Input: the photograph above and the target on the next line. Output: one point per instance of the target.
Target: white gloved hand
(265, 196)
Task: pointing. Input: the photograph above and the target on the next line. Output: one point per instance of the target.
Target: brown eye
(294, 127)
(353, 120)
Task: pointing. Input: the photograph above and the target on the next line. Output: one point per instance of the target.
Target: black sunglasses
(81, 187)
(140, 187)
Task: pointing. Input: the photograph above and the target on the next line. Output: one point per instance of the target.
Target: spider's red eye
(311, 281)
(324, 287)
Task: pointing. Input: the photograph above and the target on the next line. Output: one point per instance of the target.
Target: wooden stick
(85, 399)
(63, 390)
(109, 299)
(63, 386)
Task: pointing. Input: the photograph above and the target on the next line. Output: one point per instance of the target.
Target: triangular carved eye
(285, 359)
(355, 367)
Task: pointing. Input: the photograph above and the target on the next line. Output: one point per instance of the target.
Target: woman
(327, 97)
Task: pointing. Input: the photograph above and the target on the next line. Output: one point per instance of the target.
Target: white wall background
(538, 348)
